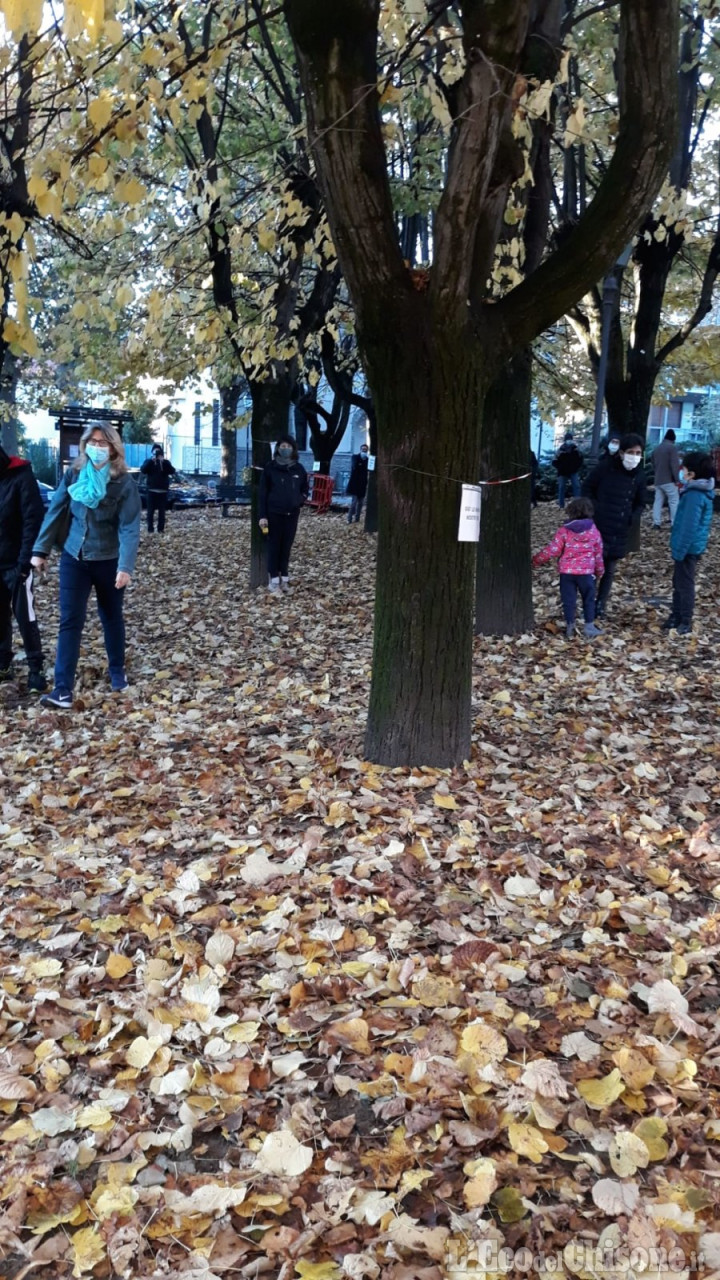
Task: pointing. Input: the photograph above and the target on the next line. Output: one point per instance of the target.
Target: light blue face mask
(98, 454)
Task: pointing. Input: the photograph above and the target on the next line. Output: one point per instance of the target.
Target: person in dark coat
(568, 464)
(158, 471)
(617, 488)
(21, 514)
(358, 483)
(283, 490)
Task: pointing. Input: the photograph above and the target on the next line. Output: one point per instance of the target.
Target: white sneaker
(274, 586)
(285, 584)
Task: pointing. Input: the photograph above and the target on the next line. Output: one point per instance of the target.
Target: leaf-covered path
(268, 1010)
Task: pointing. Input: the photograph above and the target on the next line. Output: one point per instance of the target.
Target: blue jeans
(77, 579)
(563, 482)
(570, 584)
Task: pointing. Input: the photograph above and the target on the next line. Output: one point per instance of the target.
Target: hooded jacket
(617, 494)
(568, 460)
(158, 472)
(21, 512)
(283, 490)
(691, 526)
(579, 546)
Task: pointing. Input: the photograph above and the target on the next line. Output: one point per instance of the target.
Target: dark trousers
(606, 584)
(77, 579)
(16, 597)
(156, 502)
(356, 506)
(570, 584)
(683, 604)
(281, 535)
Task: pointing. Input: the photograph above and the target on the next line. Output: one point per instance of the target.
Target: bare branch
(648, 59)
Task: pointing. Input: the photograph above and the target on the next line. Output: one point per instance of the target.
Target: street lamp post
(610, 293)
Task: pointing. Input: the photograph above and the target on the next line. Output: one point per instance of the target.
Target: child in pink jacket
(578, 545)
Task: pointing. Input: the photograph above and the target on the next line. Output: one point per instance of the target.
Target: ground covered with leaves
(269, 1010)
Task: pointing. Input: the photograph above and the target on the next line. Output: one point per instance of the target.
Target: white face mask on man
(631, 461)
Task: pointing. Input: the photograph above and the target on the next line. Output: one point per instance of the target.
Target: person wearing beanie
(689, 537)
(616, 487)
(21, 515)
(666, 466)
(283, 491)
(158, 471)
(568, 464)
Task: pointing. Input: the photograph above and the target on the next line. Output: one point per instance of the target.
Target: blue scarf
(91, 486)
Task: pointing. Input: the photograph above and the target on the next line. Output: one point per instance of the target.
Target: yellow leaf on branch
(100, 112)
(84, 17)
(130, 191)
(22, 16)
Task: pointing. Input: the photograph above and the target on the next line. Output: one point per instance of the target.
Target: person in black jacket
(568, 464)
(158, 471)
(358, 483)
(283, 490)
(617, 488)
(21, 514)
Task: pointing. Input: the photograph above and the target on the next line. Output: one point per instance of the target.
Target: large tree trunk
(503, 589)
(420, 700)
(271, 404)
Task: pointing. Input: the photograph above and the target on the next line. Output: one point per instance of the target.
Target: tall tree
(431, 347)
(675, 259)
(503, 586)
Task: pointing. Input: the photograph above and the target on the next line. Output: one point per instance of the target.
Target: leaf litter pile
(270, 1010)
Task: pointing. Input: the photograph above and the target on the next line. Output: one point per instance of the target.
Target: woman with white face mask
(617, 488)
(95, 516)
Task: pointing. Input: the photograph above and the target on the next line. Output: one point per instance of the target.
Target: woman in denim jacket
(99, 551)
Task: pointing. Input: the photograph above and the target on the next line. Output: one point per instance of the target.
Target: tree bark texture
(420, 699)
(503, 586)
(271, 405)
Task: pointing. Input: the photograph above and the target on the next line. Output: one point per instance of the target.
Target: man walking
(21, 514)
(357, 484)
(666, 462)
(568, 464)
(158, 471)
